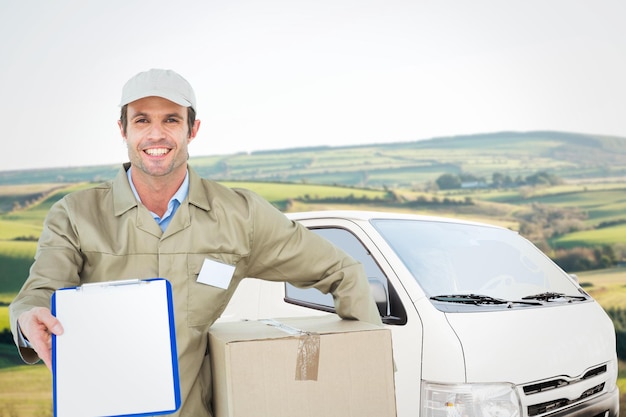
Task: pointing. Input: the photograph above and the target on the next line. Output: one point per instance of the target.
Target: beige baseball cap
(160, 83)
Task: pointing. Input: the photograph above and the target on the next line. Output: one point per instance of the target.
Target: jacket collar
(198, 194)
(125, 199)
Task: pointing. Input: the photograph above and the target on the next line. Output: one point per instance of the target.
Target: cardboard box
(302, 367)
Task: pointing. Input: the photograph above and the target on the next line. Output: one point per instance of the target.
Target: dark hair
(191, 118)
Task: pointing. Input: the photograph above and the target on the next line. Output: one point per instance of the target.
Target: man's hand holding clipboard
(37, 327)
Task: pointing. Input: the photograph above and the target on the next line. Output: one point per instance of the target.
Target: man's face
(157, 135)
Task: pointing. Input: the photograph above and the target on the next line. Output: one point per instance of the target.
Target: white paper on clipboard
(117, 355)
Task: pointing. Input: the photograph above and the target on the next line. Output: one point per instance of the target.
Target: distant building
(474, 184)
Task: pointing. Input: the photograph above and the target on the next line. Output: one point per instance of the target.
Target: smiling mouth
(157, 151)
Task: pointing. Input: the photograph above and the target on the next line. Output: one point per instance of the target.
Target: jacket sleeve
(57, 265)
(284, 250)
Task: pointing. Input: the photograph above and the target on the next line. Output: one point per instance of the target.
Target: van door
(397, 310)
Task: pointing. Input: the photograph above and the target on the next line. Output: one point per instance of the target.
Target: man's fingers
(52, 324)
(38, 321)
(37, 325)
(44, 350)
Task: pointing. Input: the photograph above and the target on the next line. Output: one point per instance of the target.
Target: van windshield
(449, 260)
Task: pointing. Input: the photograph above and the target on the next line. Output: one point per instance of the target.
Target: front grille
(561, 401)
(536, 409)
(558, 383)
(596, 371)
(545, 386)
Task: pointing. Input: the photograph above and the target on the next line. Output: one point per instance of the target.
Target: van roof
(364, 215)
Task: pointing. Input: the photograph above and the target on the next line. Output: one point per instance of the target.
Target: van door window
(349, 243)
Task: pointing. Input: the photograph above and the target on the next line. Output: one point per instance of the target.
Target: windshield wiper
(468, 299)
(477, 299)
(549, 296)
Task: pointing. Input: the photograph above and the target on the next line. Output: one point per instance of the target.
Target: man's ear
(121, 127)
(194, 130)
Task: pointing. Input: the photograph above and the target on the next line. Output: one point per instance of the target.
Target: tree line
(498, 180)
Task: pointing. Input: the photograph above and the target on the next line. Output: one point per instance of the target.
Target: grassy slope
(400, 165)
(23, 195)
(610, 235)
(15, 261)
(25, 391)
(4, 318)
(406, 164)
(608, 286)
(601, 202)
(276, 192)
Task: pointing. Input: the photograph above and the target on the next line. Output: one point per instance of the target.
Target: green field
(15, 258)
(23, 195)
(396, 165)
(4, 317)
(275, 192)
(602, 204)
(25, 391)
(607, 286)
(606, 236)
(13, 228)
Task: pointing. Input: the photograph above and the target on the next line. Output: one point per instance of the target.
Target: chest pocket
(205, 303)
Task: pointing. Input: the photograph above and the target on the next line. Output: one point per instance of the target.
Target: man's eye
(141, 120)
(172, 120)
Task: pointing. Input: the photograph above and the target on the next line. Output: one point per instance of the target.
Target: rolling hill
(587, 209)
(394, 165)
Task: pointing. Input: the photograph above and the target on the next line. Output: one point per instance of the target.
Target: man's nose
(156, 131)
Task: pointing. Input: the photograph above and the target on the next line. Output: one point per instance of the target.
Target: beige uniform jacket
(104, 233)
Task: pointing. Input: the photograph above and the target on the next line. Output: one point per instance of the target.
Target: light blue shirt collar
(173, 204)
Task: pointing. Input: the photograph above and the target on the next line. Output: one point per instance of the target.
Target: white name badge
(216, 274)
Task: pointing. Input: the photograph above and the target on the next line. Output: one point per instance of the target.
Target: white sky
(273, 74)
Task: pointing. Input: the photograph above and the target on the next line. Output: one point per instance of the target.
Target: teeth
(156, 151)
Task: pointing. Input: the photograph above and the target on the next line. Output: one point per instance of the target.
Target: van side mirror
(379, 293)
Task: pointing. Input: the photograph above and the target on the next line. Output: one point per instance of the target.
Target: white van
(483, 323)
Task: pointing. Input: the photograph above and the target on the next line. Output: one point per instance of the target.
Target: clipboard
(117, 355)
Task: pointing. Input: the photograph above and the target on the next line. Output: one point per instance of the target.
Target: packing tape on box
(307, 362)
(308, 357)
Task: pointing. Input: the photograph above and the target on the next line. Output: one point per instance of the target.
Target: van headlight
(470, 400)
